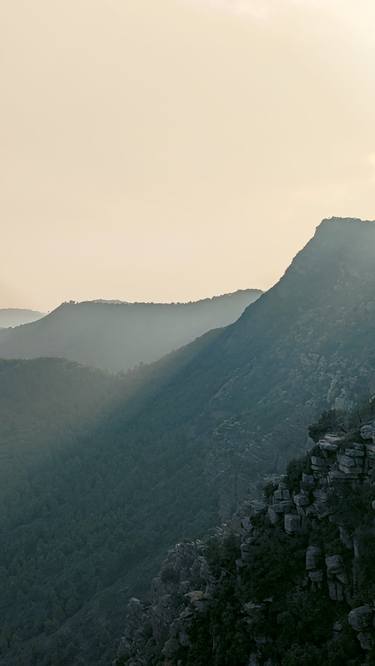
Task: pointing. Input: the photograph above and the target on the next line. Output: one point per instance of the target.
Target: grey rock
(368, 431)
(334, 564)
(292, 523)
(313, 557)
(347, 461)
(318, 463)
(327, 445)
(273, 516)
(355, 453)
(320, 495)
(197, 599)
(316, 576)
(335, 591)
(301, 499)
(360, 618)
(308, 480)
(281, 494)
(282, 507)
(370, 451)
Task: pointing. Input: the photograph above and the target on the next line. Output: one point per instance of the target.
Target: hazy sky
(174, 149)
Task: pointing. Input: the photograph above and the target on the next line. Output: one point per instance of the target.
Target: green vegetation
(101, 475)
(260, 604)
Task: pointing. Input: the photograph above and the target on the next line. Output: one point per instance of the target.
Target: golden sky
(175, 149)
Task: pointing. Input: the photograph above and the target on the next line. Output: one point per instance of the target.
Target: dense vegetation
(244, 594)
(85, 517)
(105, 473)
(118, 336)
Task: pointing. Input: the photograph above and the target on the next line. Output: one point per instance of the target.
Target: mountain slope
(304, 346)
(18, 316)
(175, 455)
(118, 336)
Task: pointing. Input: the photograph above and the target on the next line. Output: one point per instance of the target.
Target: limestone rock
(329, 444)
(368, 431)
(334, 564)
(292, 523)
(313, 557)
(318, 464)
(316, 577)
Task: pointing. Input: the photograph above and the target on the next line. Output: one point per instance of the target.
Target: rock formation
(230, 594)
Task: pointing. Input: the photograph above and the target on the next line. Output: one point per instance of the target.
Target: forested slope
(179, 446)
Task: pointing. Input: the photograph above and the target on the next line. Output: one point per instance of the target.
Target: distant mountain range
(18, 316)
(169, 451)
(117, 335)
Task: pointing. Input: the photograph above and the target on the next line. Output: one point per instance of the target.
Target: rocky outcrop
(315, 527)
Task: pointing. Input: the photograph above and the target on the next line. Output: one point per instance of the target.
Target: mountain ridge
(119, 336)
(10, 317)
(202, 431)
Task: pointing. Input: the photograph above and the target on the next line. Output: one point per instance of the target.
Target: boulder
(335, 591)
(368, 431)
(328, 446)
(313, 557)
(301, 499)
(292, 523)
(197, 599)
(345, 460)
(281, 493)
(354, 452)
(360, 618)
(318, 464)
(334, 564)
(316, 576)
(257, 506)
(308, 480)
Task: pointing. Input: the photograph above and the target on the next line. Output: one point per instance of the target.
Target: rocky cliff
(203, 428)
(289, 580)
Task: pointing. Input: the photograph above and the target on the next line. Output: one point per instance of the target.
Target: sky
(170, 150)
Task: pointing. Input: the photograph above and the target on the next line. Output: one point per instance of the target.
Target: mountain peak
(340, 245)
(344, 220)
(345, 226)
